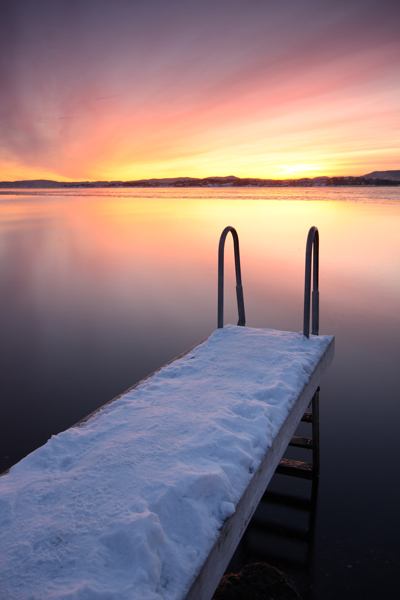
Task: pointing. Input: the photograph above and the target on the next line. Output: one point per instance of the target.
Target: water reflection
(98, 291)
(282, 532)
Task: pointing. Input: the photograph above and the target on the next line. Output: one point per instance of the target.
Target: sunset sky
(130, 89)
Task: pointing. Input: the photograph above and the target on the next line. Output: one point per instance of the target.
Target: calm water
(98, 288)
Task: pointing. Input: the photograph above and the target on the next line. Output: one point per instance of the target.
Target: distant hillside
(31, 183)
(392, 175)
(377, 178)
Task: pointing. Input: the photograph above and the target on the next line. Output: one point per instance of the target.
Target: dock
(148, 497)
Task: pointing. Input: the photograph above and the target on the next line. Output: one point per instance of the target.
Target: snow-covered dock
(148, 498)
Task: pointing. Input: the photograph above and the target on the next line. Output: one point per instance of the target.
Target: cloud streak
(131, 89)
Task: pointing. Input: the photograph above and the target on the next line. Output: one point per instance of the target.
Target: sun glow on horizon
(294, 170)
(137, 93)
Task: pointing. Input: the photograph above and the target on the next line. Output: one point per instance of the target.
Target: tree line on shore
(230, 181)
(244, 182)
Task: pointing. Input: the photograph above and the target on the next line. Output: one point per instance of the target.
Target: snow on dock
(148, 497)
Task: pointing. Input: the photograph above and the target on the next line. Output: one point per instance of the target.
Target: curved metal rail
(312, 242)
(239, 288)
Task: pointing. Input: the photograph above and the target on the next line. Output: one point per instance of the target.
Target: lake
(100, 287)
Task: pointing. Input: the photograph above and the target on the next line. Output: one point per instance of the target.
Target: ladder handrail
(239, 288)
(312, 243)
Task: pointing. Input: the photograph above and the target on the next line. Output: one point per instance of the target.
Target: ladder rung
(281, 530)
(286, 500)
(301, 442)
(307, 417)
(295, 468)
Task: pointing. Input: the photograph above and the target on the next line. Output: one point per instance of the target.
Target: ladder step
(288, 501)
(307, 417)
(295, 468)
(281, 530)
(301, 442)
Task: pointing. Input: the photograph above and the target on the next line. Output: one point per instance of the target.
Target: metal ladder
(287, 466)
(262, 524)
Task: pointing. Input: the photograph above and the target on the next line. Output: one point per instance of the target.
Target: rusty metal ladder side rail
(239, 287)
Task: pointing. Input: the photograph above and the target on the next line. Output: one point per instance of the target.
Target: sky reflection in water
(99, 290)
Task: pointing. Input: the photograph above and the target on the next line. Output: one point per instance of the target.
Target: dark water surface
(98, 288)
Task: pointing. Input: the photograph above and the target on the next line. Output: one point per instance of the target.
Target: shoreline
(391, 179)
